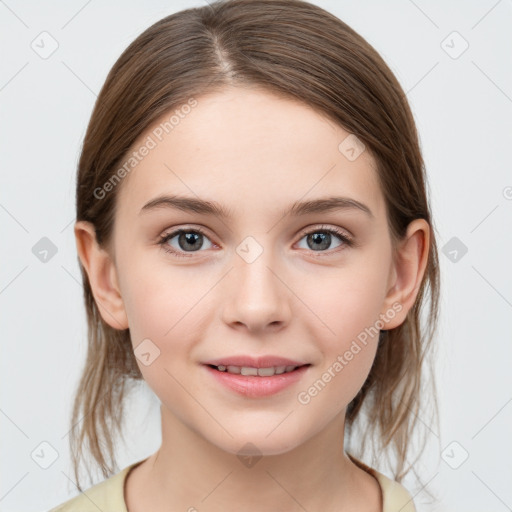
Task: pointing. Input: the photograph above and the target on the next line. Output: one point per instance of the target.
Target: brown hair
(300, 51)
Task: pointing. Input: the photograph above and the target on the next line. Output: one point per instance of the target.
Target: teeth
(248, 371)
(261, 372)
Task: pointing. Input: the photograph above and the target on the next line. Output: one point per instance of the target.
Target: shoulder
(107, 496)
(395, 496)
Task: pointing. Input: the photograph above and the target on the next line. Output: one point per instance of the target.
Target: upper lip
(254, 362)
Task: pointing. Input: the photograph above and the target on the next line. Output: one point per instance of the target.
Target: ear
(407, 273)
(102, 276)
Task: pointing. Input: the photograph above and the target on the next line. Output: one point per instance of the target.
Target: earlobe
(408, 271)
(102, 275)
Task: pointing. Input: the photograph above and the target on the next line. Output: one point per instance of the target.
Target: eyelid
(329, 228)
(179, 229)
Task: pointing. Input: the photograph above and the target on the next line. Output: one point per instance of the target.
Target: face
(309, 285)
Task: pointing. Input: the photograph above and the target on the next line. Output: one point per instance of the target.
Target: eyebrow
(203, 207)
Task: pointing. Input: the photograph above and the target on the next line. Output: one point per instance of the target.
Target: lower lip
(252, 386)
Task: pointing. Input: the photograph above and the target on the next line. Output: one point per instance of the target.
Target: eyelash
(347, 241)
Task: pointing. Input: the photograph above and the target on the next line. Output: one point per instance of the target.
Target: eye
(187, 240)
(192, 240)
(321, 238)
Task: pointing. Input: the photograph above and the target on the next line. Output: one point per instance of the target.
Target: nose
(257, 298)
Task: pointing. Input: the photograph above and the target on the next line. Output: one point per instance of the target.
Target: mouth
(252, 371)
(256, 382)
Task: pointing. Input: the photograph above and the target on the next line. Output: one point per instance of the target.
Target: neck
(190, 473)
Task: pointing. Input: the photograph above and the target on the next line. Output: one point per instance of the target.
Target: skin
(256, 154)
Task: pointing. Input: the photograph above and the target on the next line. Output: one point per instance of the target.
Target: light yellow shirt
(108, 496)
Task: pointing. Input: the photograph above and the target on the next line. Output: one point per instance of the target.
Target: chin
(256, 442)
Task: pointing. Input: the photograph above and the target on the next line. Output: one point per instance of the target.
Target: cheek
(163, 315)
(161, 300)
(172, 309)
(348, 349)
(346, 331)
(346, 303)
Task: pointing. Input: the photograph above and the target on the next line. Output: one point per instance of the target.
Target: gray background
(462, 103)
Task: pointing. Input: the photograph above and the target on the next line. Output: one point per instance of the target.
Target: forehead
(249, 149)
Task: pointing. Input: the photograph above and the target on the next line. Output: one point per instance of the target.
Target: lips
(256, 376)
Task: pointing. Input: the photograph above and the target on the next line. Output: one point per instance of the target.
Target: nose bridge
(253, 262)
(256, 296)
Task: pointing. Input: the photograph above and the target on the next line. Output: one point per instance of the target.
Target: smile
(252, 382)
(257, 372)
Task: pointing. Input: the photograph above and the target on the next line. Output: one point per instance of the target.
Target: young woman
(256, 243)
